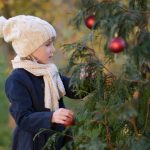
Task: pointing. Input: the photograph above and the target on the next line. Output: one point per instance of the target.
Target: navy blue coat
(26, 95)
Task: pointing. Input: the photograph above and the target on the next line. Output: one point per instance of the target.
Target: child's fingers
(61, 115)
(61, 121)
(67, 112)
(67, 118)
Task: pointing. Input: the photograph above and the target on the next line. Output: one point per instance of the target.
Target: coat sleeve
(21, 108)
(69, 90)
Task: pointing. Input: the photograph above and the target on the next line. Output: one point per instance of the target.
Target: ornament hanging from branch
(90, 21)
(116, 45)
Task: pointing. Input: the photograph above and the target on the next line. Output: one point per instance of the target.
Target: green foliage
(83, 58)
(118, 18)
(116, 112)
(5, 131)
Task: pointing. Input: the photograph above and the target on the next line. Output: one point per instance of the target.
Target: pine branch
(136, 81)
(132, 120)
(134, 11)
(108, 135)
(147, 114)
(54, 131)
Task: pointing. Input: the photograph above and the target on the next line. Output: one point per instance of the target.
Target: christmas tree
(116, 111)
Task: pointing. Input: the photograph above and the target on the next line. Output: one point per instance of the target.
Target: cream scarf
(54, 88)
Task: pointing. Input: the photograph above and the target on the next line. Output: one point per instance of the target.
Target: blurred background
(58, 13)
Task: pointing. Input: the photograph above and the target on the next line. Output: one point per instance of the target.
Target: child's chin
(43, 62)
(47, 61)
(50, 60)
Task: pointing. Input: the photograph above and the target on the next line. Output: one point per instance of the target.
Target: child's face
(45, 52)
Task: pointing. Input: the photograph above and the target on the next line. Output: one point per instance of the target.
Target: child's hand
(63, 116)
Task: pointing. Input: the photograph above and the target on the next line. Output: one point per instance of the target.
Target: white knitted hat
(27, 33)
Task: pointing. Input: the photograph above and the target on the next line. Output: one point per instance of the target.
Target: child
(35, 88)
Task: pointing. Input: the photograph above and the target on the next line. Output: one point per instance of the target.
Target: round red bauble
(116, 45)
(90, 21)
(69, 123)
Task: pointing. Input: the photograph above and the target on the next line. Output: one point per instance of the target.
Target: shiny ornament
(90, 22)
(69, 123)
(116, 45)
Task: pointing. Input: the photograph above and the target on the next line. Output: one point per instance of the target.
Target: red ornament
(90, 21)
(69, 123)
(116, 45)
